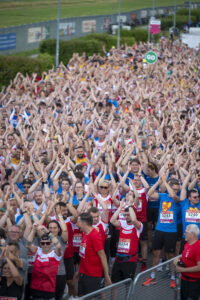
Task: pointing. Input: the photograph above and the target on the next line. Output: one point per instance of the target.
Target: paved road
(192, 39)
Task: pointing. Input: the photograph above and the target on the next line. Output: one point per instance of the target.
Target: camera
(181, 264)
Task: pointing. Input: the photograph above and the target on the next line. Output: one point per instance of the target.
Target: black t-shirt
(13, 290)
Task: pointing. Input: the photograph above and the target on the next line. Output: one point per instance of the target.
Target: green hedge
(90, 44)
(11, 65)
(195, 13)
(167, 22)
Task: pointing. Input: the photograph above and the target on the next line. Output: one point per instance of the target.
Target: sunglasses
(104, 187)
(45, 243)
(196, 197)
(170, 165)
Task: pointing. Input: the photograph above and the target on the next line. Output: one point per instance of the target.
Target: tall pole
(119, 15)
(174, 14)
(57, 36)
(189, 14)
(153, 8)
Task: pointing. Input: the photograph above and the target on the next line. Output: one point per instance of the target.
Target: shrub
(11, 65)
(140, 34)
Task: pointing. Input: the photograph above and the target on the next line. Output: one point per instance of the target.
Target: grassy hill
(30, 11)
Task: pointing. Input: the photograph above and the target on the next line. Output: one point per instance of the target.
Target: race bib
(192, 215)
(82, 250)
(123, 245)
(166, 217)
(77, 240)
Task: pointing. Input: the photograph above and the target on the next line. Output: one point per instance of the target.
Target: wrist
(45, 182)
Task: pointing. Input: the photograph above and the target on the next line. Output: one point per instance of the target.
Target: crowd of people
(100, 166)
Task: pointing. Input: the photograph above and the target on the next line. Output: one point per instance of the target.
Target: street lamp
(174, 25)
(57, 35)
(119, 14)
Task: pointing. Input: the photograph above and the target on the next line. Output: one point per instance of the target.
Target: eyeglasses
(104, 187)
(16, 232)
(45, 243)
(170, 165)
(196, 197)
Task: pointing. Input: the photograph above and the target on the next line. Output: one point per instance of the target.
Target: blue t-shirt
(167, 217)
(151, 181)
(76, 202)
(190, 214)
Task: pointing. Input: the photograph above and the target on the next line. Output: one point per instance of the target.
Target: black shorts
(190, 289)
(123, 270)
(88, 284)
(152, 214)
(179, 232)
(69, 267)
(76, 258)
(164, 239)
(144, 235)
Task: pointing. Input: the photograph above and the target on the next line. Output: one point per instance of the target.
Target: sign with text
(155, 26)
(7, 41)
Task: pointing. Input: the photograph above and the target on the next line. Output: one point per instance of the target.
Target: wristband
(24, 212)
(44, 182)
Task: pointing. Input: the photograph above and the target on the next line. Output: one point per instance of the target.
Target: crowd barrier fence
(134, 290)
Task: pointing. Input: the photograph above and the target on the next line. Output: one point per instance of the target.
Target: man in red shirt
(93, 259)
(130, 230)
(189, 265)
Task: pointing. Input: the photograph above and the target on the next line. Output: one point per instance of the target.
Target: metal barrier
(160, 290)
(116, 291)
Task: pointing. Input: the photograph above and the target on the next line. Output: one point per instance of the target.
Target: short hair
(192, 228)
(192, 191)
(173, 181)
(135, 160)
(87, 218)
(79, 175)
(62, 204)
(93, 210)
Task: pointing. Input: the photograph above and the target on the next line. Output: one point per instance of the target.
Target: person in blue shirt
(190, 207)
(166, 228)
(79, 194)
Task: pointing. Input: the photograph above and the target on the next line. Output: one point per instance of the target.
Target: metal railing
(160, 290)
(134, 290)
(117, 291)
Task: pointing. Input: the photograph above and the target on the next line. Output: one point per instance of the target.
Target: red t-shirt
(141, 209)
(90, 261)
(128, 240)
(69, 251)
(190, 256)
(45, 269)
(110, 205)
(102, 228)
(77, 237)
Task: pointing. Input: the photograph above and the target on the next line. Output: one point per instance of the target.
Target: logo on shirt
(166, 206)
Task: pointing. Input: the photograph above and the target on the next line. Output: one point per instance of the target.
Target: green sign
(151, 57)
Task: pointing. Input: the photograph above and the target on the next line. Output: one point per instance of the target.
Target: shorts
(88, 284)
(144, 235)
(69, 267)
(190, 289)
(179, 232)
(164, 239)
(152, 214)
(123, 270)
(41, 295)
(76, 258)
